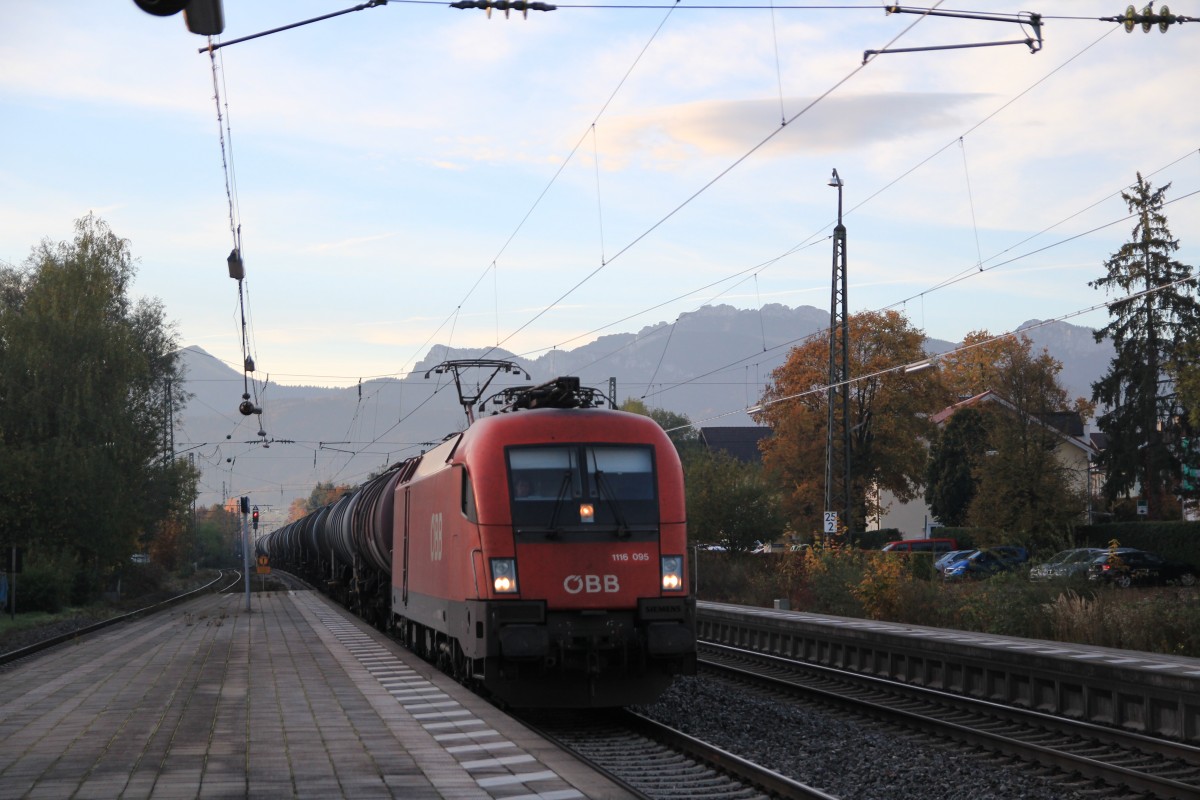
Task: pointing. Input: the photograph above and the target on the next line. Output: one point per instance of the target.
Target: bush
(1006, 604)
(898, 589)
(1167, 622)
(825, 580)
(856, 583)
(880, 586)
(875, 540)
(139, 580)
(966, 537)
(736, 577)
(44, 586)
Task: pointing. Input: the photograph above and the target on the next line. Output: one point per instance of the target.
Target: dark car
(1127, 566)
(980, 564)
(1011, 552)
(1067, 564)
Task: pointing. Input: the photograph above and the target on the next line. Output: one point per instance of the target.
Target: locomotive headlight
(672, 573)
(504, 575)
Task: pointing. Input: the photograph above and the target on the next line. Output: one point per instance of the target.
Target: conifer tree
(1152, 322)
(954, 455)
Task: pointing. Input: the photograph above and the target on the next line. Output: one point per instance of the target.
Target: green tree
(1153, 325)
(729, 502)
(217, 532)
(889, 419)
(678, 427)
(955, 456)
(89, 384)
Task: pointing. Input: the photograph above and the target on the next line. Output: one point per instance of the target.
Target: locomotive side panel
(436, 545)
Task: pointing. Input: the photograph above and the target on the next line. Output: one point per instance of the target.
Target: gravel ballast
(839, 754)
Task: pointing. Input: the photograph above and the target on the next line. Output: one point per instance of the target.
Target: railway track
(1127, 760)
(658, 762)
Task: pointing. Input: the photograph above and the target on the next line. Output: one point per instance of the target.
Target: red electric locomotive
(541, 553)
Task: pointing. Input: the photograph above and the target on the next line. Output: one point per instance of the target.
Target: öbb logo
(591, 584)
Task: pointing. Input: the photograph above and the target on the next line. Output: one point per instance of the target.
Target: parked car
(980, 564)
(1127, 566)
(1072, 563)
(1011, 552)
(947, 559)
(921, 546)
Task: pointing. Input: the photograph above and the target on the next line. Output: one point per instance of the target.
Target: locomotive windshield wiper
(555, 531)
(610, 498)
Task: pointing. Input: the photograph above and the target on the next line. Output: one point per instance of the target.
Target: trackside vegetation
(868, 584)
(90, 383)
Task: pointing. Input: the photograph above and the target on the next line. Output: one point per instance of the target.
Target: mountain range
(710, 365)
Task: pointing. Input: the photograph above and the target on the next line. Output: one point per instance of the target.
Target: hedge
(1177, 541)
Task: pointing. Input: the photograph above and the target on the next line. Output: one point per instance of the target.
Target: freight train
(538, 556)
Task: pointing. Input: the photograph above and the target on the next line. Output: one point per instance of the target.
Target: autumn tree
(996, 464)
(297, 509)
(89, 384)
(1026, 494)
(1154, 324)
(889, 422)
(324, 493)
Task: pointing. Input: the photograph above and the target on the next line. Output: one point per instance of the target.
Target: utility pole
(839, 374)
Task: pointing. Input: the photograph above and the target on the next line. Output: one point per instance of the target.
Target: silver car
(1067, 564)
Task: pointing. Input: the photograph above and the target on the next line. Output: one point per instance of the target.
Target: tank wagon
(539, 555)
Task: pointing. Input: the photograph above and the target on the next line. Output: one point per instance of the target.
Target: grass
(28, 626)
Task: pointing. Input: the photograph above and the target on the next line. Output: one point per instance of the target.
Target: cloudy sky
(415, 174)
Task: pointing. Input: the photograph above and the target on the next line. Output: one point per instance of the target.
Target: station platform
(294, 698)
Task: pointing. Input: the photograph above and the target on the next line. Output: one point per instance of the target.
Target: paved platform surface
(294, 698)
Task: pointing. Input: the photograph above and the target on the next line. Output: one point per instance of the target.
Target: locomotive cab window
(468, 498)
(583, 490)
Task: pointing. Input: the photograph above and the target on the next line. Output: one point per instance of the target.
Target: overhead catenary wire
(494, 265)
(453, 318)
(974, 127)
(713, 181)
(971, 201)
(236, 263)
(963, 276)
(872, 196)
(817, 390)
